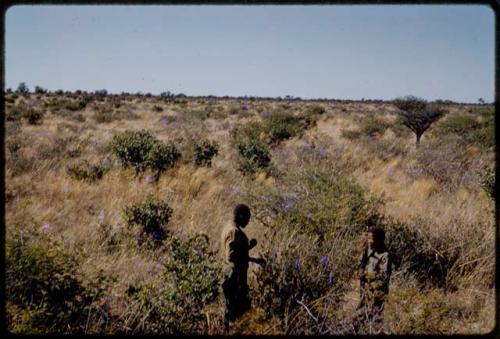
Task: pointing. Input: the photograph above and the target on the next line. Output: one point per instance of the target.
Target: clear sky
(328, 51)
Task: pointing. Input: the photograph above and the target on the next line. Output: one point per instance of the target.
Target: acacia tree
(22, 88)
(417, 114)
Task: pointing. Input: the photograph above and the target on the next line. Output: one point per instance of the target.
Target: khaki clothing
(235, 247)
(374, 273)
(375, 269)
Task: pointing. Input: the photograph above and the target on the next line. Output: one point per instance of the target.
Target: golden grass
(203, 198)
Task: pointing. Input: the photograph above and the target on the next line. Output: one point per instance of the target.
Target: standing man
(374, 274)
(236, 249)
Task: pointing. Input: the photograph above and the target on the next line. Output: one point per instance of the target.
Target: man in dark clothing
(235, 248)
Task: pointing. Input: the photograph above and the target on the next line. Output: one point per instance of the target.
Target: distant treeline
(167, 95)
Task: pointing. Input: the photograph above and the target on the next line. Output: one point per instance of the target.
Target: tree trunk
(418, 139)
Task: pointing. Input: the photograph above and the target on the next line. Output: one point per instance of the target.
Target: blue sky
(329, 51)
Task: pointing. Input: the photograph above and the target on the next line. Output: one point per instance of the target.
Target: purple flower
(310, 216)
(285, 267)
(236, 189)
(322, 153)
(105, 162)
(287, 204)
(296, 264)
(390, 171)
(245, 107)
(307, 145)
(323, 260)
(330, 278)
(46, 227)
(157, 235)
(66, 189)
(267, 114)
(166, 121)
(138, 237)
(149, 179)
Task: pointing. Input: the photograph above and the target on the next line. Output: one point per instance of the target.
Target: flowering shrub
(253, 155)
(280, 126)
(298, 274)
(204, 151)
(44, 294)
(161, 157)
(141, 150)
(132, 148)
(315, 215)
(188, 283)
(151, 215)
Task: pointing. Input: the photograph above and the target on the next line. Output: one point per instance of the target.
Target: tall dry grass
(39, 192)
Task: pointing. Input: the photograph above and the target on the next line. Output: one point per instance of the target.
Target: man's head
(375, 237)
(241, 215)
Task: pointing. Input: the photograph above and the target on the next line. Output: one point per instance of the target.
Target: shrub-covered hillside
(115, 206)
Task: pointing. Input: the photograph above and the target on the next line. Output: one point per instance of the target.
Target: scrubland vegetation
(115, 205)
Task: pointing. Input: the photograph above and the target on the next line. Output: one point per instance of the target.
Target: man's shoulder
(229, 229)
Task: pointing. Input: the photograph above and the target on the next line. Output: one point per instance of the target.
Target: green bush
(24, 111)
(253, 155)
(85, 171)
(204, 151)
(253, 130)
(316, 110)
(161, 157)
(16, 112)
(133, 147)
(470, 129)
(44, 294)
(372, 125)
(304, 215)
(151, 215)
(297, 274)
(280, 126)
(189, 282)
(157, 108)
